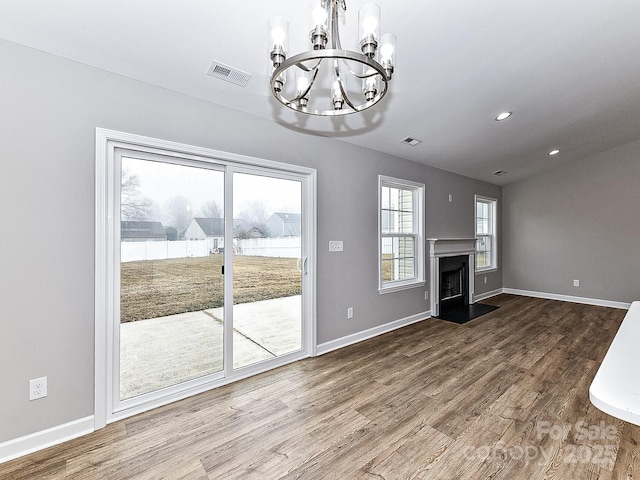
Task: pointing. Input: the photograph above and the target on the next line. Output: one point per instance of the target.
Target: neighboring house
(141, 231)
(210, 229)
(243, 229)
(257, 232)
(284, 225)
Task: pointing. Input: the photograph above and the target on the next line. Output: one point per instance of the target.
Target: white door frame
(106, 216)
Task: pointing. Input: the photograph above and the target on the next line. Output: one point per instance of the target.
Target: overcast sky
(161, 181)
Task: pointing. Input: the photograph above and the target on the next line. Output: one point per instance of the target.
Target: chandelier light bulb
(336, 92)
(370, 84)
(318, 14)
(369, 19)
(388, 52)
(279, 82)
(278, 39)
(369, 25)
(278, 35)
(302, 87)
(319, 18)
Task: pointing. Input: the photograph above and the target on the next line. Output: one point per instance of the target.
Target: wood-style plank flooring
(504, 396)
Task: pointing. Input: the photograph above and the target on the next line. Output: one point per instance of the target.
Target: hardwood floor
(504, 396)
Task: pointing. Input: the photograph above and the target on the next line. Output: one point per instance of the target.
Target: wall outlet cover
(37, 388)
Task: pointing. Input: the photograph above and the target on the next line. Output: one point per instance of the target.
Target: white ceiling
(568, 69)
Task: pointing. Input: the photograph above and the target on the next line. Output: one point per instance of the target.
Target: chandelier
(328, 80)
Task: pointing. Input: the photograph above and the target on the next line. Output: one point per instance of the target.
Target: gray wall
(50, 109)
(578, 221)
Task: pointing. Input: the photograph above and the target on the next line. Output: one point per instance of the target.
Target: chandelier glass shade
(329, 80)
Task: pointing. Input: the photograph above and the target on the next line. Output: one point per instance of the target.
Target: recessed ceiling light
(503, 116)
(554, 152)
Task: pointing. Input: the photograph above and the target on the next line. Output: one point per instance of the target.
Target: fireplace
(453, 281)
(452, 272)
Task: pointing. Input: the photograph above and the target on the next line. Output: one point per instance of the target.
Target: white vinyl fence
(287, 247)
(132, 251)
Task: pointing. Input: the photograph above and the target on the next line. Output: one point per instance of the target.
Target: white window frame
(493, 228)
(417, 234)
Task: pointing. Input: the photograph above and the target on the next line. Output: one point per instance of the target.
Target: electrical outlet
(485, 279)
(37, 388)
(426, 295)
(576, 283)
(350, 312)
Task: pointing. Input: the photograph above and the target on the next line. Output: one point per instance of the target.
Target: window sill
(486, 270)
(404, 286)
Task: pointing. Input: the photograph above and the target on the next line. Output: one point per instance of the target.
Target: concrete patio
(165, 351)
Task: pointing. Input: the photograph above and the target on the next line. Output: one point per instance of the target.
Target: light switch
(335, 246)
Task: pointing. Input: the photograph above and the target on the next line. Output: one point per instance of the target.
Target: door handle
(301, 265)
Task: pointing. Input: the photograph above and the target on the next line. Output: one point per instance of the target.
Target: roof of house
(289, 217)
(211, 226)
(141, 229)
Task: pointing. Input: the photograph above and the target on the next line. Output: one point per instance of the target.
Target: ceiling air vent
(411, 141)
(499, 173)
(229, 74)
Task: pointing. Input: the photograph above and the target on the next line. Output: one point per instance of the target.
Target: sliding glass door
(268, 266)
(206, 273)
(171, 283)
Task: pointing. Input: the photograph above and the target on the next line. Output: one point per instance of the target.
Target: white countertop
(616, 387)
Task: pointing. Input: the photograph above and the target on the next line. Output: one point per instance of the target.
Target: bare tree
(212, 210)
(133, 206)
(256, 213)
(179, 214)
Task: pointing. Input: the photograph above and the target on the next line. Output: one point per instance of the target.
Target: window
(401, 234)
(486, 245)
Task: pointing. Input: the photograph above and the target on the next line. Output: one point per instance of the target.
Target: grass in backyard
(156, 288)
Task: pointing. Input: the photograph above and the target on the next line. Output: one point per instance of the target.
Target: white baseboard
(370, 333)
(46, 438)
(483, 296)
(568, 298)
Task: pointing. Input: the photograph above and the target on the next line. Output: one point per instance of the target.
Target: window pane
(388, 221)
(393, 198)
(401, 229)
(482, 218)
(485, 232)
(384, 197)
(397, 210)
(483, 254)
(171, 285)
(405, 221)
(398, 258)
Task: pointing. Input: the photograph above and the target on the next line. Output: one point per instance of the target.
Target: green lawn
(156, 288)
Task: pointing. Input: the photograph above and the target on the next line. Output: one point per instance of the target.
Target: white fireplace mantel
(449, 247)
